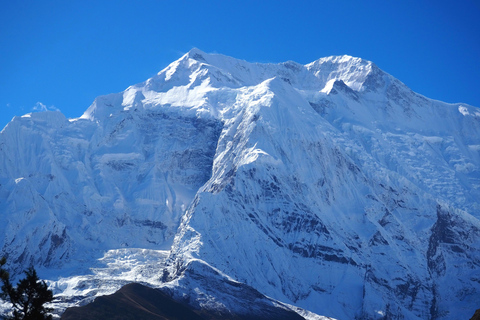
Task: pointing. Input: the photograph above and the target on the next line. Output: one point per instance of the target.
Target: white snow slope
(329, 186)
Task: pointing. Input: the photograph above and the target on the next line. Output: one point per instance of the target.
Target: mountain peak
(325, 178)
(342, 59)
(351, 70)
(196, 54)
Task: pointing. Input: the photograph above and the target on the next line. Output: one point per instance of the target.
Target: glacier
(329, 187)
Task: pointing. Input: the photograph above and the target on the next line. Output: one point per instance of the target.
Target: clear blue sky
(63, 54)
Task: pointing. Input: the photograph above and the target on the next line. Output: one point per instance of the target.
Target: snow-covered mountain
(329, 186)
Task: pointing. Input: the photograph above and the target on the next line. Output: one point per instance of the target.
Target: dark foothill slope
(135, 301)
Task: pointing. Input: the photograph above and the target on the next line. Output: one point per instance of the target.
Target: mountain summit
(330, 187)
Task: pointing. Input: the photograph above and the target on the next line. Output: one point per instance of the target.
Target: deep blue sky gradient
(63, 54)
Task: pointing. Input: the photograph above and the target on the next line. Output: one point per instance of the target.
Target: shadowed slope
(133, 301)
(136, 301)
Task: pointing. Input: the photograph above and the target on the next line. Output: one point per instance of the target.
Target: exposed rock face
(476, 316)
(330, 186)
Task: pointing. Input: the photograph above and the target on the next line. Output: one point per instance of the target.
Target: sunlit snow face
(469, 112)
